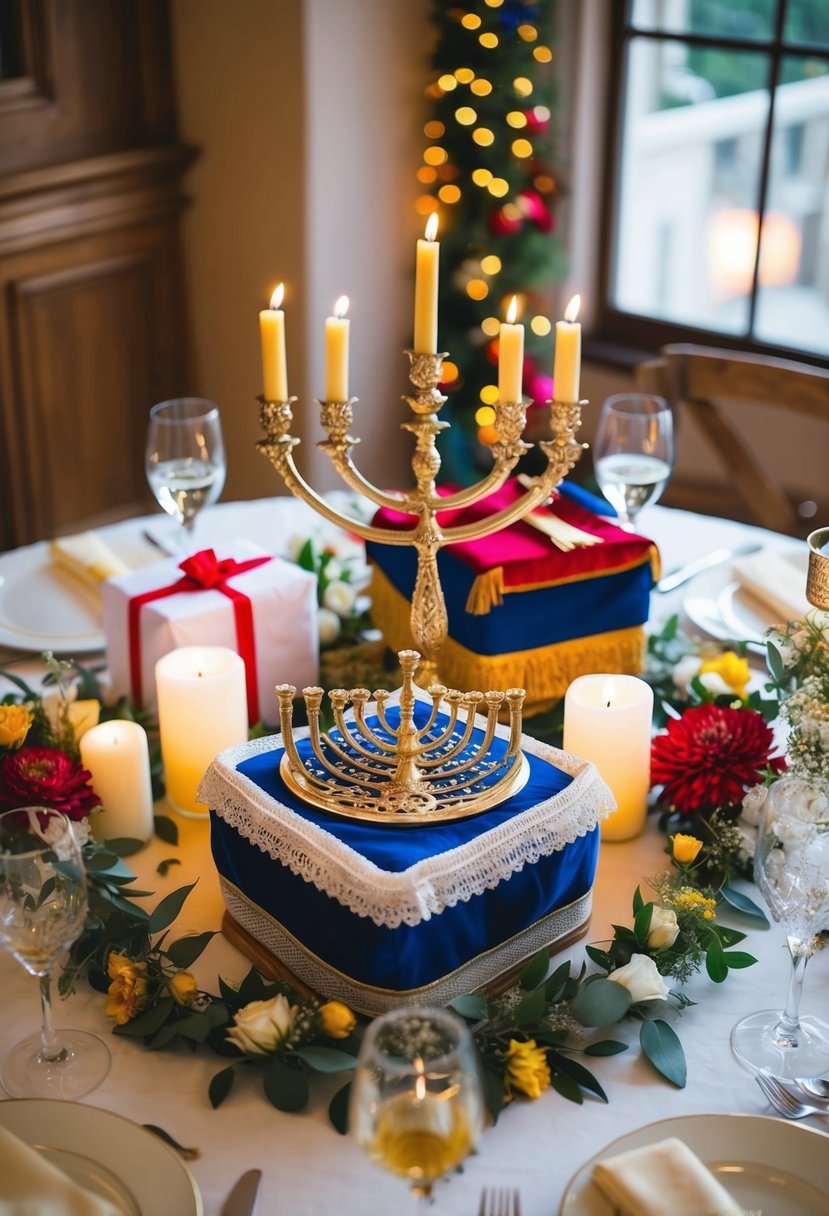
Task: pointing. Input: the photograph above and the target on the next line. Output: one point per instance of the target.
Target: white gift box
(283, 600)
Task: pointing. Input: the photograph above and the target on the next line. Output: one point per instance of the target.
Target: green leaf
(493, 1092)
(638, 902)
(642, 923)
(164, 1036)
(194, 1026)
(326, 1059)
(567, 1088)
(166, 829)
(605, 1047)
(743, 904)
(252, 988)
(555, 983)
(600, 957)
(124, 846)
(164, 866)
(535, 971)
(774, 659)
(472, 1007)
(715, 963)
(185, 951)
(728, 937)
(221, 1085)
(285, 1088)
(338, 1109)
(739, 959)
(578, 1073)
(660, 1044)
(167, 911)
(530, 1008)
(147, 1022)
(600, 1003)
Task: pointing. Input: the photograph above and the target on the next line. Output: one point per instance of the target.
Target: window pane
(808, 21)
(793, 297)
(686, 232)
(747, 19)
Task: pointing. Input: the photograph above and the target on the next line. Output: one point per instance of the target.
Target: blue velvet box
(379, 916)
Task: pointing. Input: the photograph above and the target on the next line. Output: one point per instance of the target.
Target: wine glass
(42, 911)
(185, 459)
(633, 452)
(416, 1098)
(791, 868)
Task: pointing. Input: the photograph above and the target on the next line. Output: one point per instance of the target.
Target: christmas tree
(487, 170)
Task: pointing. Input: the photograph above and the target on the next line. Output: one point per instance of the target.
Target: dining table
(536, 1146)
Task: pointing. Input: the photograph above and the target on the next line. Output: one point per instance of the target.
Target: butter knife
(716, 557)
(242, 1199)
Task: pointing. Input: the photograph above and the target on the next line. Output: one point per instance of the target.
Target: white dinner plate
(109, 1155)
(717, 604)
(766, 1165)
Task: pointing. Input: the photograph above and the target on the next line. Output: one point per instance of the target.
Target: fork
(564, 535)
(783, 1100)
(500, 1201)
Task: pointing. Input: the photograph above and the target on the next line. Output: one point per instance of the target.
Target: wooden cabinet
(92, 325)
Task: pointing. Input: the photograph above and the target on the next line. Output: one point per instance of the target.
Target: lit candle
(272, 335)
(567, 366)
(510, 356)
(426, 290)
(202, 709)
(117, 756)
(607, 719)
(336, 352)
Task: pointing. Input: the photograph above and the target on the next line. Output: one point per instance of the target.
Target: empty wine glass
(185, 459)
(416, 1098)
(633, 452)
(42, 911)
(791, 868)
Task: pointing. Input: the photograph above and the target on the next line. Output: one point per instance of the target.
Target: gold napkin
(31, 1186)
(779, 583)
(87, 556)
(662, 1178)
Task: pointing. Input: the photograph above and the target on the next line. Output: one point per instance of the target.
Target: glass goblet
(416, 1099)
(185, 459)
(791, 868)
(633, 452)
(42, 911)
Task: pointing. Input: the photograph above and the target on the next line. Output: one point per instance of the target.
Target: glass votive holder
(817, 582)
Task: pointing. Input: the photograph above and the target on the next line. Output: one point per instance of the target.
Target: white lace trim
(430, 885)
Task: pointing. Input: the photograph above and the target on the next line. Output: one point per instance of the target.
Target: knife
(715, 558)
(242, 1199)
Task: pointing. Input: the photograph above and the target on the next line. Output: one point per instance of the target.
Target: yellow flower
(684, 848)
(688, 899)
(337, 1020)
(183, 988)
(129, 991)
(15, 721)
(527, 1069)
(731, 669)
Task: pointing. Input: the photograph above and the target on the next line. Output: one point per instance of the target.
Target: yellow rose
(336, 1020)
(684, 848)
(128, 993)
(527, 1069)
(15, 721)
(731, 669)
(183, 988)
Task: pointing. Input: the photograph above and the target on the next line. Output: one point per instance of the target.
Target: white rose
(664, 928)
(328, 626)
(339, 598)
(262, 1026)
(334, 570)
(641, 978)
(685, 670)
(754, 804)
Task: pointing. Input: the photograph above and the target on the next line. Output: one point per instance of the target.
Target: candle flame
(608, 691)
(572, 309)
(432, 226)
(420, 1079)
(512, 311)
(341, 307)
(278, 293)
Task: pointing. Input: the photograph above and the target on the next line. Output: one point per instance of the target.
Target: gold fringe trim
(544, 671)
(486, 592)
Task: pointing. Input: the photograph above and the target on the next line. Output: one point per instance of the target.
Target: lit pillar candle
(272, 335)
(202, 709)
(567, 365)
(336, 352)
(426, 291)
(607, 719)
(510, 356)
(117, 756)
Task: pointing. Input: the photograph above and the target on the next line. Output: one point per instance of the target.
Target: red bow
(204, 572)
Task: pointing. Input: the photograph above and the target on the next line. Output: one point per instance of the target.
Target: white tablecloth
(309, 1170)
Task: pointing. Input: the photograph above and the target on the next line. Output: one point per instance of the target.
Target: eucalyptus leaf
(167, 911)
(600, 1003)
(535, 971)
(493, 1092)
(285, 1088)
(326, 1059)
(774, 659)
(221, 1085)
(185, 951)
(194, 1026)
(124, 846)
(530, 1008)
(661, 1046)
(605, 1047)
(148, 1021)
(743, 904)
(471, 1006)
(338, 1109)
(166, 829)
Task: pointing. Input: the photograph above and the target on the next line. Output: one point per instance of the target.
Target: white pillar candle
(510, 356)
(202, 709)
(336, 352)
(426, 291)
(567, 365)
(272, 336)
(607, 719)
(118, 758)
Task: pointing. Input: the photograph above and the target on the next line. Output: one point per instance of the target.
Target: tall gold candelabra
(429, 623)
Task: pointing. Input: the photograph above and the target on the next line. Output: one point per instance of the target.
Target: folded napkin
(87, 556)
(31, 1186)
(778, 582)
(663, 1178)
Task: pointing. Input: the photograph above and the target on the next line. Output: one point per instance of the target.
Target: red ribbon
(204, 572)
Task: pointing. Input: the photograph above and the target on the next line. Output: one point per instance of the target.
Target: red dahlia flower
(710, 756)
(45, 776)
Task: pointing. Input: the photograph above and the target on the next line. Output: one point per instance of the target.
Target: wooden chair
(701, 380)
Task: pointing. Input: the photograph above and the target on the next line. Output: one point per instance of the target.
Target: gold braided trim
(544, 671)
(486, 592)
